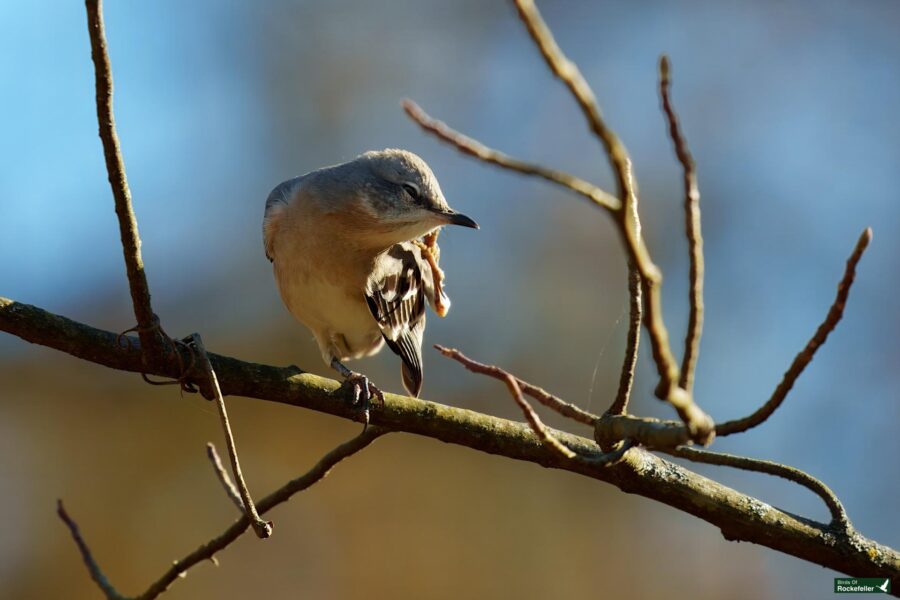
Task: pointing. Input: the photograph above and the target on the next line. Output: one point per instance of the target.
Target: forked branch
(625, 214)
(262, 528)
(208, 550)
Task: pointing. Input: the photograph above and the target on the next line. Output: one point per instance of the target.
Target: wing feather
(397, 292)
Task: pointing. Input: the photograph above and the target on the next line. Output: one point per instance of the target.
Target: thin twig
(568, 72)
(222, 475)
(839, 516)
(512, 384)
(208, 550)
(262, 528)
(805, 356)
(698, 422)
(93, 568)
(556, 403)
(692, 229)
(700, 425)
(473, 147)
(552, 402)
(151, 340)
(632, 344)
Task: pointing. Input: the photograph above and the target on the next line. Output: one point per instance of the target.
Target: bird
(345, 243)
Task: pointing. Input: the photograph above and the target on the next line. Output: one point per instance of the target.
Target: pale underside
(352, 297)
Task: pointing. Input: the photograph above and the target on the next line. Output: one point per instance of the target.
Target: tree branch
(632, 344)
(147, 323)
(692, 229)
(805, 356)
(208, 550)
(738, 516)
(473, 147)
(222, 476)
(839, 516)
(263, 529)
(699, 424)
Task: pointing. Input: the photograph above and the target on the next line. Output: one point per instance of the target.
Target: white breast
(322, 281)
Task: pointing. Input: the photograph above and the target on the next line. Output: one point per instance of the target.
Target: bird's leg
(363, 389)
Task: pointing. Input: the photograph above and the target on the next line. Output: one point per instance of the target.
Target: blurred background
(790, 109)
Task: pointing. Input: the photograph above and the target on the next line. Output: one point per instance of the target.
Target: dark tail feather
(412, 379)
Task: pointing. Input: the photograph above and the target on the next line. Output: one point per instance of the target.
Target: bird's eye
(412, 190)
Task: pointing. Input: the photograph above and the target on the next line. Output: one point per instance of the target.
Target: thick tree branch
(147, 324)
(738, 516)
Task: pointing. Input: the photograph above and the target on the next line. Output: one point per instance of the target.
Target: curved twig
(692, 229)
(473, 147)
(512, 384)
(632, 344)
(805, 356)
(839, 516)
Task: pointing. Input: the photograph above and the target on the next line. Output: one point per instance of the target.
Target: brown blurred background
(790, 110)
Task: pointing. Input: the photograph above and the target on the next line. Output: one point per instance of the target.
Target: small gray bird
(342, 241)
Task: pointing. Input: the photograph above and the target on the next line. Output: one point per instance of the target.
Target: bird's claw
(363, 392)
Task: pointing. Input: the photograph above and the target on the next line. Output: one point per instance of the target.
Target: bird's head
(401, 196)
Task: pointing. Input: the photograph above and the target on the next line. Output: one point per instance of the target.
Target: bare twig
(262, 528)
(473, 147)
(632, 344)
(513, 385)
(93, 568)
(805, 356)
(698, 422)
(692, 229)
(147, 323)
(556, 403)
(208, 550)
(223, 476)
(839, 516)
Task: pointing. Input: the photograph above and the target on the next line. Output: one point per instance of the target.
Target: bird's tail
(412, 378)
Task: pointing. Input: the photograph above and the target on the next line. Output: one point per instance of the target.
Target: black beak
(455, 218)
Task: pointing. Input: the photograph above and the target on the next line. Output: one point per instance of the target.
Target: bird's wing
(397, 291)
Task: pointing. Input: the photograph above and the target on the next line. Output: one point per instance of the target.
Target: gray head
(400, 194)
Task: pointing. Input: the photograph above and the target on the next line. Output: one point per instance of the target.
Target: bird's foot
(363, 393)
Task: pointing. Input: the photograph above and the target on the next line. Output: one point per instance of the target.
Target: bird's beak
(455, 218)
